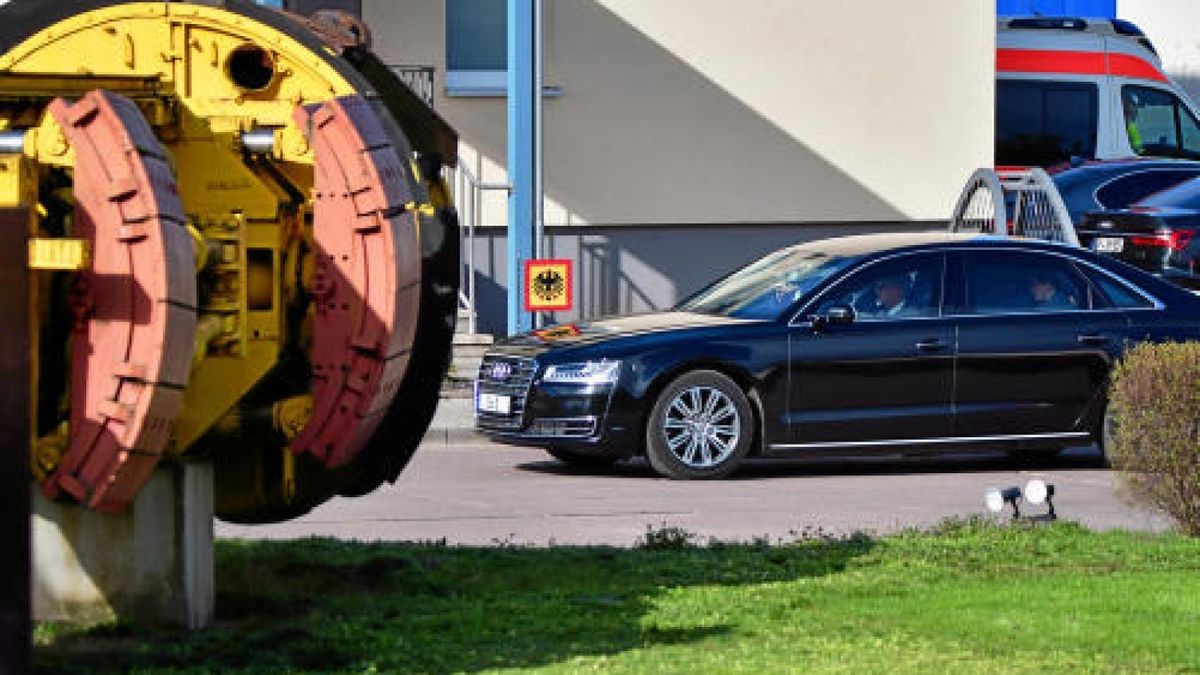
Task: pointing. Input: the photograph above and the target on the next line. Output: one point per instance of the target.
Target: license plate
(494, 403)
(1108, 244)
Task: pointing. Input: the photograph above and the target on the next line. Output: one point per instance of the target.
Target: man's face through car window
(890, 292)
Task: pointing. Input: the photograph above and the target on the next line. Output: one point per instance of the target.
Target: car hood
(587, 333)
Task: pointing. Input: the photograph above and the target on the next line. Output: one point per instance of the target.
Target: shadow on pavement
(766, 469)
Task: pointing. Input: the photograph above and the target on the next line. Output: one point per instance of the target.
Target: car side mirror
(838, 315)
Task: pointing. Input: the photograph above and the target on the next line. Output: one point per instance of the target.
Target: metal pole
(15, 425)
(539, 186)
(521, 159)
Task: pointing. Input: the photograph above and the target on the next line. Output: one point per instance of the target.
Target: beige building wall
(706, 111)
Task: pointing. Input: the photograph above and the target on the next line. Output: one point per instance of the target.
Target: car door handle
(931, 345)
(1093, 339)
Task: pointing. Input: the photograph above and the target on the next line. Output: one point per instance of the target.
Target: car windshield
(765, 288)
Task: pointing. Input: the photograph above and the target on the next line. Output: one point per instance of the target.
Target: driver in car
(891, 296)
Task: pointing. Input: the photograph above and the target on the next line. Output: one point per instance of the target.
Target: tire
(580, 461)
(701, 427)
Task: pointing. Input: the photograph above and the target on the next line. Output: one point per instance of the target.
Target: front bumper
(571, 417)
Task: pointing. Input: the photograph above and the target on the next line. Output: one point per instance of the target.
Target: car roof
(863, 244)
(1122, 164)
(881, 244)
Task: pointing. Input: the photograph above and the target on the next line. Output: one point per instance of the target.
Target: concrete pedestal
(152, 564)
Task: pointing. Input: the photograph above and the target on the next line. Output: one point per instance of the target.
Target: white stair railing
(467, 191)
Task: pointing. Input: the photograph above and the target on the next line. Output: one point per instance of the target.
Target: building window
(476, 47)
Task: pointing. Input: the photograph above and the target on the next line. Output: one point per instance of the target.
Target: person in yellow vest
(1131, 125)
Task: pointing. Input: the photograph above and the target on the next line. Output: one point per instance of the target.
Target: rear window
(1117, 294)
(1119, 193)
(1185, 195)
(1039, 123)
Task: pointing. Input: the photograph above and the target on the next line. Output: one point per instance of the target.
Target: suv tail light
(1176, 240)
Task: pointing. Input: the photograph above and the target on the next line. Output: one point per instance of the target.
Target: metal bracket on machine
(135, 307)
(367, 278)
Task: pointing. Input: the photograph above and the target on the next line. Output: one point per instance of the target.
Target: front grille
(563, 427)
(509, 376)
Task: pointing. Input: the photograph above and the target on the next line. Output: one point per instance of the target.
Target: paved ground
(478, 493)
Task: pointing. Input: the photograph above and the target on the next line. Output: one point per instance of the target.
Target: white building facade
(686, 137)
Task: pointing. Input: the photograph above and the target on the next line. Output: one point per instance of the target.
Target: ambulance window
(1159, 124)
(1042, 122)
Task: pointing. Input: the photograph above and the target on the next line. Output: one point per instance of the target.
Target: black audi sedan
(891, 343)
(1156, 233)
(1117, 183)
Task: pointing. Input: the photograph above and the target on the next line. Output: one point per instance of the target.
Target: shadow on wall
(621, 270)
(640, 136)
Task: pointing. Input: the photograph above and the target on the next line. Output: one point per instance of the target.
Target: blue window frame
(476, 47)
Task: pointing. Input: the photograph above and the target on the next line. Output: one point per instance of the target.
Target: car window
(767, 287)
(1039, 123)
(1159, 124)
(1116, 293)
(1122, 191)
(1185, 195)
(1019, 282)
(906, 287)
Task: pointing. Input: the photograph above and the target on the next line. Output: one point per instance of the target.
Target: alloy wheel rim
(702, 427)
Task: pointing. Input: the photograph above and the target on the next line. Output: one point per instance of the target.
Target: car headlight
(587, 372)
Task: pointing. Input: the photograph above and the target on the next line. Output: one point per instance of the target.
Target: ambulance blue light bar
(1049, 23)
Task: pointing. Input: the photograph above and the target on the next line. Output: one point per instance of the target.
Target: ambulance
(1074, 89)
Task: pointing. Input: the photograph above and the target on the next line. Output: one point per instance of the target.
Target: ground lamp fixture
(996, 498)
(1036, 493)
(1039, 492)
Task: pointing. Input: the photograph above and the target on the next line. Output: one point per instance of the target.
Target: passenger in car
(1046, 295)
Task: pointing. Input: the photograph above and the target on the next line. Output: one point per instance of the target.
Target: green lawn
(968, 597)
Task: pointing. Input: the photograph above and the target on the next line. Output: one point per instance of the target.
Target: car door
(1030, 361)
(887, 374)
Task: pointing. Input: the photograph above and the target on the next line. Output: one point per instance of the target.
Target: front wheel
(701, 427)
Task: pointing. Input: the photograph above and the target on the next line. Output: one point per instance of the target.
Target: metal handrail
(420, 79)
(468, 191)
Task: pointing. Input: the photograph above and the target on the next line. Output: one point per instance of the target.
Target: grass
(967, 597)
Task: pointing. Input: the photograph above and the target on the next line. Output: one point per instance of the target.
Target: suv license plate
(1108, 245)
(494, 403)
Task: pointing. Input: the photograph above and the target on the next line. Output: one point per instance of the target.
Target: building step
(457, 389)
(462, 323)
(463, 338)
(464, 367)
(470, 351)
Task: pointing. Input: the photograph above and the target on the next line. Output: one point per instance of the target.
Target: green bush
(1153, 434)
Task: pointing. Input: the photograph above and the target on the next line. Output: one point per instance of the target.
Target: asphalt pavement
(465, 491)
